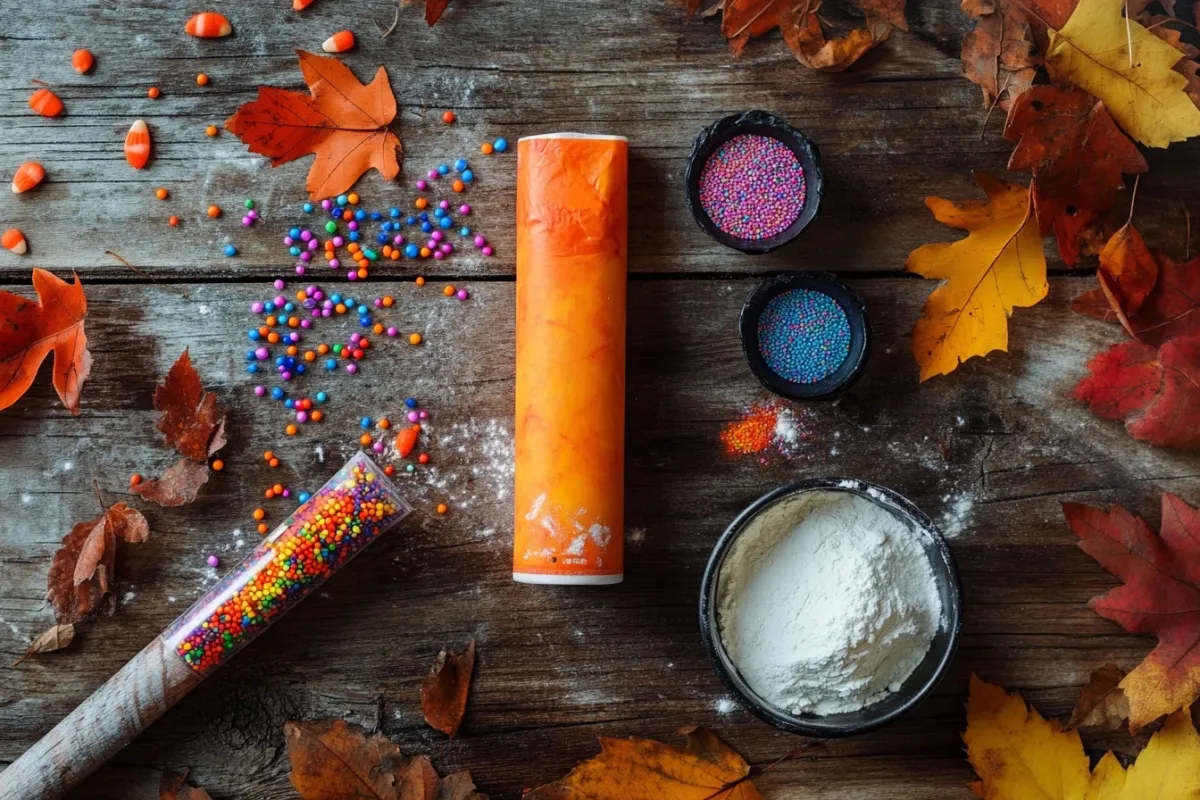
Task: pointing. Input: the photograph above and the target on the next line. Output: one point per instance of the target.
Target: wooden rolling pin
(354, 508)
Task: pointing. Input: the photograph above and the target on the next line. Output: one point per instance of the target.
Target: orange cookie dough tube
(572, 241)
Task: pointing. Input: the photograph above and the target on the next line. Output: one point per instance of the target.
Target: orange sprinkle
(362, 273)
(263, 528)
(161, 193)
(153, 92)
(82, 61)
(218, 465)
(322, 349)
(202, 79)
(269, 493)
(309, 355)
(268, 455)
(414, 338)
(290, 430)
(423, 458)
(754, 432)
(448, 117)
(173, 221)
(46, 103)
(210, 131)
(442, 508)
(486, 148)
(385, 423)
(425, 252)
(458, 185)
(273, 463)
(273, 337)
(317, 415)
(277, 488)
(214, 211)
(260, 513)
(419, 281)
(389, 470)
(135, 479)
(388, 301)
(378, 328)
(448, 290)
(365, 439)
(420, 202)
(352, 198)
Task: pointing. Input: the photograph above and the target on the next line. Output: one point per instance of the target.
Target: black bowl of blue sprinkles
(805, 335)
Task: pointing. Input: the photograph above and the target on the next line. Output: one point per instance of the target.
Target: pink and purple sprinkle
(752, 187)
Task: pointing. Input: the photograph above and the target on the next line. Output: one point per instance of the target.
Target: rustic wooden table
(989, 451)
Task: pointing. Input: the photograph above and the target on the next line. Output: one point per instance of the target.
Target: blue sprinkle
(230, 250)
(460, 164)
(322, 397)
(500, 144)
(468, 176)
(464, 231)
(411, 402)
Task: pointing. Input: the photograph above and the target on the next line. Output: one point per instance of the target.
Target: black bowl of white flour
(831, 607)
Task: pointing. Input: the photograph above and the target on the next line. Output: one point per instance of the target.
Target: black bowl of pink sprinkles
(753, 181)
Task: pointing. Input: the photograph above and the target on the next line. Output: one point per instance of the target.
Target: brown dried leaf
(332, 760)
(179, 484)
(444, 691)
(56, 638)
(191, 420)
(997, 54)
(1101, 701)
(174, 786)
(82, 567)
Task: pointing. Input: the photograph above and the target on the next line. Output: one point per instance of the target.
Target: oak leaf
(81, 569)
(30, 331)
(830, 40)
(1139, 87)
(1160, 597)
(191, 421)
(997, 54)
(999, 266)
(178, 486)
(1077, 155)
(643, 769)
(56, 638)
(332, 760)
(342, 121)
(174, 786)
(1101, 703)
(1019, 755)
(444, 691)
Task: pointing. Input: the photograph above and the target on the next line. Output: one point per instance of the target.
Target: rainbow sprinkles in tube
(572, 242)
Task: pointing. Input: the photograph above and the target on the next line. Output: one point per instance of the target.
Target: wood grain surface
(988, 452)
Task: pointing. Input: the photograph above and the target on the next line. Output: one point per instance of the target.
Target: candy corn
(14, 240)
(208, 25)
(27, 176)
(137, 145)
(46, 103)
(300, 5)
(82, 61)
(340, 42)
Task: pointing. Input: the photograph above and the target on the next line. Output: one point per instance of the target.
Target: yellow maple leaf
(1142, 92)
(1019, 755)
(999, 266)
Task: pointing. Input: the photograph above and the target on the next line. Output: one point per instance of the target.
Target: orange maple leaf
(344, 122)
(30, 331)
(643, 769)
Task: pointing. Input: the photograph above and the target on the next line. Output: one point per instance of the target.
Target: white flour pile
(827, 603)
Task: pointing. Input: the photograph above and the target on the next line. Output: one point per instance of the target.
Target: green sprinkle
(330, 227)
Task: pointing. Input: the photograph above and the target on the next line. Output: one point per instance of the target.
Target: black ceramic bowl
(915, 688)
(763, 124)
(860, 335)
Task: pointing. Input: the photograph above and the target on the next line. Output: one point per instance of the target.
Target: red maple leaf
(1077, 155)
(344, 122)
(1160, 597)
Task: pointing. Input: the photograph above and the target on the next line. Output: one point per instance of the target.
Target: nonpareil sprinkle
(803, 335)
(752, 187)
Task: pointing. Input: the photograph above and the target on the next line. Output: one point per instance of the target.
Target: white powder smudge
(601, 535)
(576, 546)
(725, 705)
(957, 515)
(170, 599)
(536, 508)
(203, 310)
(67, 466)
(26, 499)
(320, 451)
(634, 538)
(128, 596)
(550, 525)
(15, 630)
(787, 432)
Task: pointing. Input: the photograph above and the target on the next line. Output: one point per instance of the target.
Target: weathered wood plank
(991, 449)
(901, 125)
